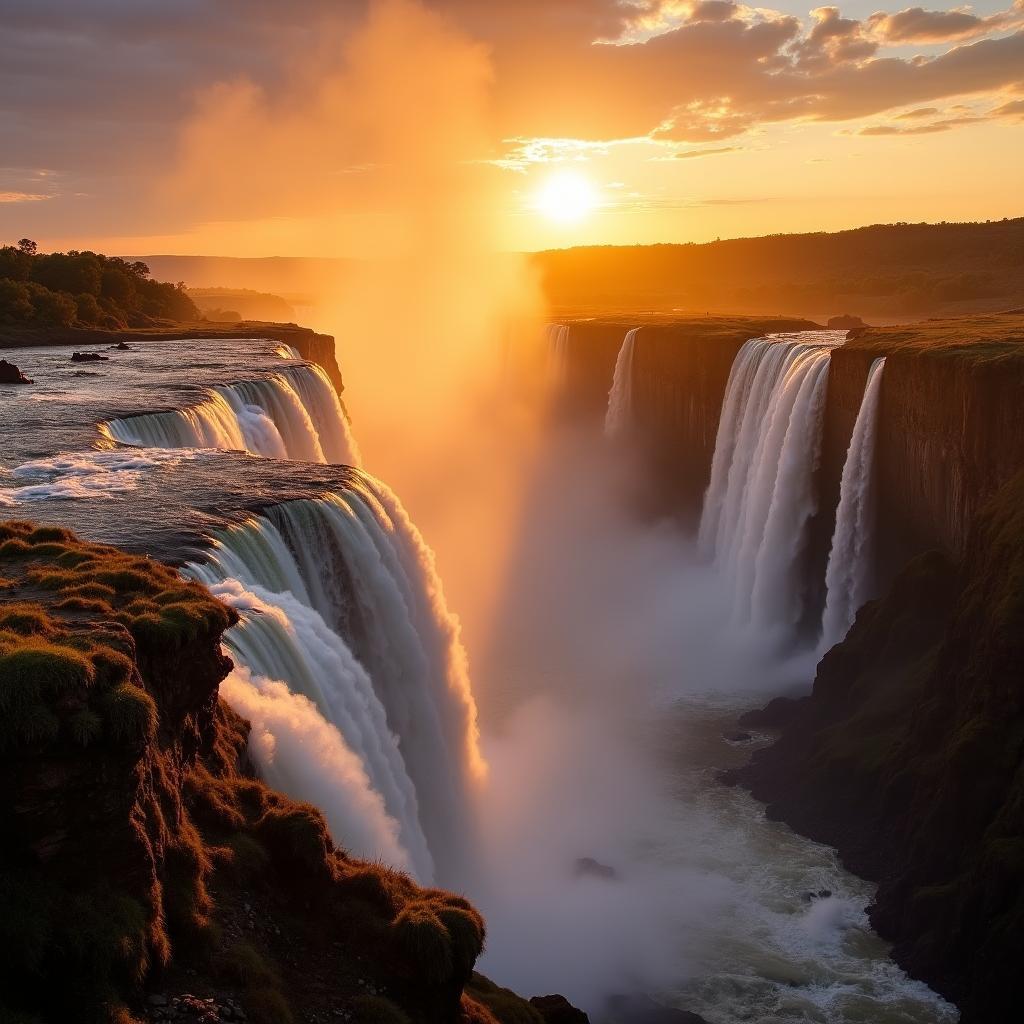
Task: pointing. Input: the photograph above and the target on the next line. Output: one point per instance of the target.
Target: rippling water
(57, 467)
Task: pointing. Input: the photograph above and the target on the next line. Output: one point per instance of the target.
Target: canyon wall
(680, 370)
(951, 427)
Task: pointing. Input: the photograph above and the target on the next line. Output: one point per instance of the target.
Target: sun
(567, 197)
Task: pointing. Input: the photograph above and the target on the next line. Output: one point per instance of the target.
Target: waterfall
(557, 339)
(849, 574)
(286, 351)
(341, 603)
(762, 495)
(294, 414)
(620, 398)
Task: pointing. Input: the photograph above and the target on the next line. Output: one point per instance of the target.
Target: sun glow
(567, 197)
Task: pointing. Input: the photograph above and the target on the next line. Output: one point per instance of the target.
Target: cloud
(931, 128)
(21, 197)
(689, 154)
(916, 25)
(1015, 108)
(99, 89)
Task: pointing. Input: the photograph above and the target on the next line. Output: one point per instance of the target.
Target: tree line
(84, 289)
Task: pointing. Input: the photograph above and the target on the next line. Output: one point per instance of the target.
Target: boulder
(10, 374)
(557, 1009)
(88, 357)
(638, 1009)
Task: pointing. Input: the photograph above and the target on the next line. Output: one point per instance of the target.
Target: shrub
(267, 1006)
(244, 965)
(85, 726)
(296, 834)
(129, 712)
(426, 942)
(25, 618)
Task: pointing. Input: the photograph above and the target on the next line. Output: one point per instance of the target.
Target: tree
(15, 304)
(27, 246)
(52, 307)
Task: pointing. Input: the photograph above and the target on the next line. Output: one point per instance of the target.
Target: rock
(157, 999)
(776, 714)
(737, 737)
(557, 1009)
(821, 894)
(10, 374)
(637, 1009)
(121, 347)
(88, 357)
(589, 866)
(846, 322)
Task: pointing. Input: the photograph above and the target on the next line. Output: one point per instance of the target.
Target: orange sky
(330, 134)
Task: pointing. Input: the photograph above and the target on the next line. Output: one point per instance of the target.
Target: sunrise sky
(255, 127)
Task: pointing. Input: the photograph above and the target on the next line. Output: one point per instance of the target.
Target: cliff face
(909, 758)
(680, 370)
(144, 871)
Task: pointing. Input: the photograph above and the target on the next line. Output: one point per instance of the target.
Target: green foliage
(505, 1006)
(130, 712)
(267, 1006)
(297, 834)
(425, 941)
(86, 288)
(85, 726)
(242, 964)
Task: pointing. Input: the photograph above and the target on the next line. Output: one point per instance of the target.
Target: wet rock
(776, 714)
(121, 347)
(638, 1009)
(737, 737)
(821, 894)
(88, 357)
(10, 374)
(589, 866)
(557, 1009)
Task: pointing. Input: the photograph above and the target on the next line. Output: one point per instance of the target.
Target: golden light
(566, 197)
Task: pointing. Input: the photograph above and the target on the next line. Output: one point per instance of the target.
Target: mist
(583, 622)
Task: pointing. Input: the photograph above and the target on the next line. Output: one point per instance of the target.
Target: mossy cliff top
(144, 866)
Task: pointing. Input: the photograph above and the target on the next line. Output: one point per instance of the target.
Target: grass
(93, 643)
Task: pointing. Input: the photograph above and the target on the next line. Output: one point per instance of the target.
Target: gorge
(733, 494)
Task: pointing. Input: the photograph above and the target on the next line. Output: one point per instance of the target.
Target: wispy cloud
(21, 197)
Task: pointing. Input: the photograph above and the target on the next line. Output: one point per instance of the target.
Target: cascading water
(620, 398)
(557, 339)
(351, 565)
(762, 493)
(848, 576)
(294, 414)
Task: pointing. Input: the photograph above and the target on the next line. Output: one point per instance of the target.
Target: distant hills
(885, 271)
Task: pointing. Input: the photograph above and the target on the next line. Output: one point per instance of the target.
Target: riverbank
(317, 348)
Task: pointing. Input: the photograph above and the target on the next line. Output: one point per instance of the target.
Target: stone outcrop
(909, 758)
(10, 374)
(145, 872)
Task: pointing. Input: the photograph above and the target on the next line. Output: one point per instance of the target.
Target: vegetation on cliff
(141, 855)
(39, 290)
(909, 758)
